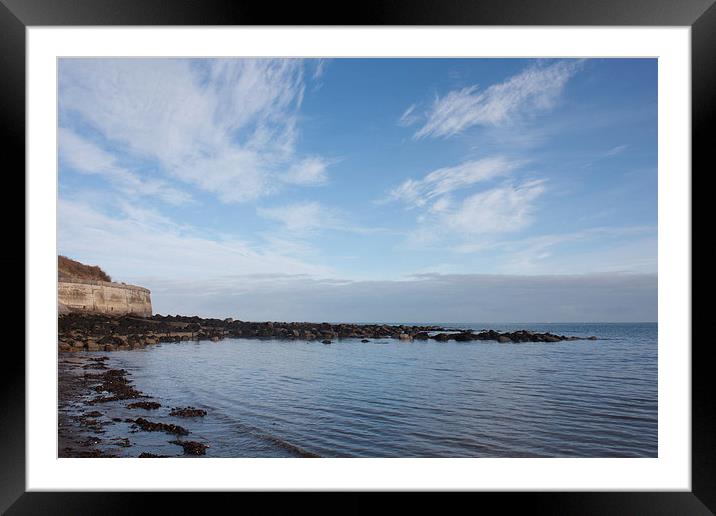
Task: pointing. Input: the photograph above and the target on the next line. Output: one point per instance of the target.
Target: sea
(391, 398)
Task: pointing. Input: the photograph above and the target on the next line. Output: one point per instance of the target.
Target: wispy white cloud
(302, 217)
(616, 150)
(318, 72)
(86, 157)
(535, 89)
(289, 245)
(478, 219)
(227, 126)
(83, 155)
(537, 244)
(610, 248)
(319, 69)
(233, 175)
(409, 117)
(446, 212)
(132, 238)
(502, 209)
(634, 254)
(309, 171)
(445, 180)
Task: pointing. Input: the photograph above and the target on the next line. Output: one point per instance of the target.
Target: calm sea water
(388, 398)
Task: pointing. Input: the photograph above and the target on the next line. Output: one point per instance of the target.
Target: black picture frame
(700, 15)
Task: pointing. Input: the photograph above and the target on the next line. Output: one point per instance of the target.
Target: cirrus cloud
(441, 182)
(532, 90)
(226, 126)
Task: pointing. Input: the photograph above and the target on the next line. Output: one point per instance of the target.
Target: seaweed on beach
(192, 447)
(187, 412)
(151, 426)
(147, 405)
(115, 382)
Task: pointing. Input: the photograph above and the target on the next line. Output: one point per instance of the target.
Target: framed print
(434, 247)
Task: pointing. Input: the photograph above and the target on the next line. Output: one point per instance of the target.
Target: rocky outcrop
(187, 412)
(192, 447)
(98, 332)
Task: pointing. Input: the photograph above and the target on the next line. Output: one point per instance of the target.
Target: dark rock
(79, 332)
(151, 426)
(489, 335)
(187, 412)
(91, 423)
(114, 340)
(114, 381)
(192, 447)
(93, 346)
(326, 341)
(148, 405)
(365, 340)
(95, 366)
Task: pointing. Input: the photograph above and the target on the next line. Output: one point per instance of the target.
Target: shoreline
(74, 428)
(100, 332)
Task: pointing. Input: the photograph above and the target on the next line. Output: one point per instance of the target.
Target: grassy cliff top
(72, 269)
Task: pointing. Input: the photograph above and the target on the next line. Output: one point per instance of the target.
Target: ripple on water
(422, 399)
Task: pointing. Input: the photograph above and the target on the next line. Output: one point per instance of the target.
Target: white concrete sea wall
(103, 297)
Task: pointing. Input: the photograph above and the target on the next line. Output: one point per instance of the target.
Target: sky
(356, 190)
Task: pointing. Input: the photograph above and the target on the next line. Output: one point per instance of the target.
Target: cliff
(88, 289)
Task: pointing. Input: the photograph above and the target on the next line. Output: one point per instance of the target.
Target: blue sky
(340, 189)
